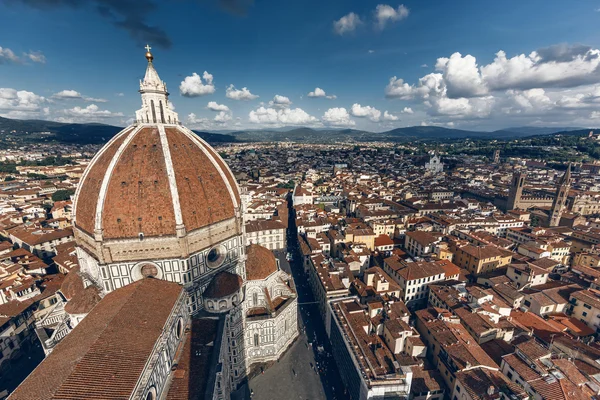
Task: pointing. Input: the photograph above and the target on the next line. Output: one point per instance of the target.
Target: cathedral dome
(260, 262)
(155, 179)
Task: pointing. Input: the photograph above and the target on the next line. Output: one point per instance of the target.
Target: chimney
(490, 390)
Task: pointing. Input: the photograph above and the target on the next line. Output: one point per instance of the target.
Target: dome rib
(157, 180)
(103, 189)
(179, 225)
(221, 167)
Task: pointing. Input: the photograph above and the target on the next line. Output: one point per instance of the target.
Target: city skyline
(364, 65)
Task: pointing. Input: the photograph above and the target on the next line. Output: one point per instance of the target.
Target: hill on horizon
(28, 131)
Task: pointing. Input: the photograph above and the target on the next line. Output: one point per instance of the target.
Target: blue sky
(380, 64)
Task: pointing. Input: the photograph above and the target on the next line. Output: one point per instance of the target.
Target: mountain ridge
(97, 133)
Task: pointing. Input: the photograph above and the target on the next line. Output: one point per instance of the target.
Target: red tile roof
(111, 345)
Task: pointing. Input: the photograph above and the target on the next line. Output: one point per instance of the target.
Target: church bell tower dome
(156, 189)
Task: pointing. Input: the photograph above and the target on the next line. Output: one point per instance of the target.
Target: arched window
(151, 395)
(256, 340)
(255, 299)
(153, 111)
(162, 112)
(179, 329)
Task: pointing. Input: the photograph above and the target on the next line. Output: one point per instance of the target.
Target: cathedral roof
(112, 344)
(223, 284)
(84, 301)
(154, 178)
(260, 262)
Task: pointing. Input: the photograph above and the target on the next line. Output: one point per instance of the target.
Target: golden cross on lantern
(148, 48)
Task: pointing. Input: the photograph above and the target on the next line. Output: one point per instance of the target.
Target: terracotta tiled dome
(260, 262)
(154, 180)
(223, 284)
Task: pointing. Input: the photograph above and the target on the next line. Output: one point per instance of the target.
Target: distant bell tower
(497, 157)
(560, 199)
(516, 191)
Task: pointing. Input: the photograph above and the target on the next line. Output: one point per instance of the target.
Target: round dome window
(149, 271)
(216, 257)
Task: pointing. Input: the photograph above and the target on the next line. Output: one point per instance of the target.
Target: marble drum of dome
(157, 193)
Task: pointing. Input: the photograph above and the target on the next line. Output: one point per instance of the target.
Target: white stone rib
(202, 144)
(171, 175)
(91, 164)
(107, 176)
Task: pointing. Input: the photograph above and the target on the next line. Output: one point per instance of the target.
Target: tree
(62, 195)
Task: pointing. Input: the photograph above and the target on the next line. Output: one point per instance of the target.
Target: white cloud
(20, 103)
(239, 94)
(36, 56)
(348, 23)
(398, 89)
(119, 94)
(337, 116)
(286, 116)
(407, 110)
(462, 76)
(7, 56)
(532, 99)
(223, 117)
(194, 85)
(280, 102)
(318, 92)
(213, 106)
(90, 113)
(524, 84)
(69, 94)
(391, 117)
(193, 119)
(369, 112)
(385, 14)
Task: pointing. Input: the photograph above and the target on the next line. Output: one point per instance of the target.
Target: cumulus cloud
(389, 117)
(280, 102)
(7, 56)
(214, 106)
(239, 94)
(194, 85)
(69, 94)
(407, 110)
(286, 116)
(193, 119)
(337, 116)
(90, 113)
(348, 23)
(553, 79)
(223, 117)
(318, 92)
(385, 14)
(369, 112)
(20, 103)
(460, 76)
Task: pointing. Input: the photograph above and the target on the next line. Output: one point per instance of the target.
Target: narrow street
(307, 370)
(310, 320)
